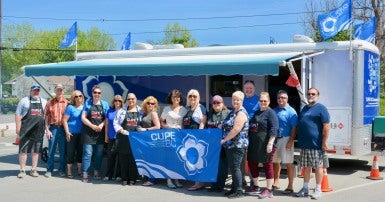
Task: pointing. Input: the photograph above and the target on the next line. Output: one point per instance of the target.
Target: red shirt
(54, 111)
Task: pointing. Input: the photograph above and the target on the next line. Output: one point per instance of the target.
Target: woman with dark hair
(171, 117)
(110, 138)
(93, 133)
(72, 123)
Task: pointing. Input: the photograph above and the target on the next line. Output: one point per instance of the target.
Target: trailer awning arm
(225, 64)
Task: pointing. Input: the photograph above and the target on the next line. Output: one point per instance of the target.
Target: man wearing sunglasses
(29, 119)
(312, 135)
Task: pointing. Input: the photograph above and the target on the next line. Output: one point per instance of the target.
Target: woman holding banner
(125, 121)
(235, 140)
(171, 117)
(217, 114)
(149, 121)
(195, 118)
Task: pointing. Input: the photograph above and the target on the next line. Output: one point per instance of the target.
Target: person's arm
(239, 122)
(155, 120)
(87, 122)
(18, 123)
(325, 135)
(65, 126)
(163, 118)
(273, 131)
(118, 120)
(47, 114)
(204, 117)
(106, 140)
(293, 134)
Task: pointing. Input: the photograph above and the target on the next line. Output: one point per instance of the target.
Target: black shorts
(27, 145)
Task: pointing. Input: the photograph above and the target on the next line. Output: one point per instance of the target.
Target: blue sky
(137, 17)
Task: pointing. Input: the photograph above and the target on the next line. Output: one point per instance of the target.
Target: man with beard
(29, 119)
(312, 135)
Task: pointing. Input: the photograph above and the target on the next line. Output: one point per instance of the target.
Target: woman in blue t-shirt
(72, 123)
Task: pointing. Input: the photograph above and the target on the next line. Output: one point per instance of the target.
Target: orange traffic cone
(16, 141)
(325, 182)
(375, 172)
(302, 173)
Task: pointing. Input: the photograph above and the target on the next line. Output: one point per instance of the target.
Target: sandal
(148, 183)
(171, 185)
(178, 184)
(85, 179)
(195, 188)
(69, 175)
(275, 187)
(287, 191)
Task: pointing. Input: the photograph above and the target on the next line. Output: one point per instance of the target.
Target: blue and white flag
(70, 38)
(339, 19)
(189, 154)
(366, 31)
(127, 42)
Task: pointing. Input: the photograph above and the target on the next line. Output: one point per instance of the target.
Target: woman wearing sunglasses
(195, 118)
(93, 133)
(149, 121)
(263, 130)
(110, 138)
(72, 123)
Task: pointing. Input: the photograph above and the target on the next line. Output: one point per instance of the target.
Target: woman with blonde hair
(195, 118)
(127, 120)
(149, 121)
(72, 123)
(110, 137)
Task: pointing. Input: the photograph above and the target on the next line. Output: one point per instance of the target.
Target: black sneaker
(237, 194)
(229, 192)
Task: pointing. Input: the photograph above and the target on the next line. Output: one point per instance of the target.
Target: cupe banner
(189, 154)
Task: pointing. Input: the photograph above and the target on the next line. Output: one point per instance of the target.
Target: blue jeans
(58, 138)
(234, 157)
(88, 151)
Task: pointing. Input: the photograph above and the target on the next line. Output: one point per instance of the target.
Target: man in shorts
(288, 120)
(29, 119)
(312, 136)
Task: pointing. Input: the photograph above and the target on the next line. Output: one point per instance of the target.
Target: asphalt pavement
(347, 178)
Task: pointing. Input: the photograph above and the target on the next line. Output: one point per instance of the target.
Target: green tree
(176, 34)
(24, 45)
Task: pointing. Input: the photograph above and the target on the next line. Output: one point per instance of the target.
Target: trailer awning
(227, 64)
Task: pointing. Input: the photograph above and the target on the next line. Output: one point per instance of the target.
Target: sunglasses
(263, 101)
(77, 96)
(36, 90)
(150, 103)
(216, 103)
(96, 92)
(117, 101)
(311, 94)
(194, 96)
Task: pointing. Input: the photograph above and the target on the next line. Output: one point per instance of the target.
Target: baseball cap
(217, 98)
(35, 86)
(59, 86)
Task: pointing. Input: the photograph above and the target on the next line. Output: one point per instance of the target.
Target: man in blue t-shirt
(312, 135)
(250, 102)
(284, 153)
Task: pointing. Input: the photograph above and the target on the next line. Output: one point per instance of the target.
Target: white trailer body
(346, 74)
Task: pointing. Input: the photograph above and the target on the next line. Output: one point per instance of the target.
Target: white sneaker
(48, 174)
(34, 173)
(316, 195)
(21, 174)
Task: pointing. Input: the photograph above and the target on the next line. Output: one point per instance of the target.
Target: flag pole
(76, 49)
(351, 32)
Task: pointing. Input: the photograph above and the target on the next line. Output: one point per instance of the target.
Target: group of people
(252, 131)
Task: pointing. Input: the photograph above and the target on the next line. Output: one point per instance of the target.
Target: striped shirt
(54, 111)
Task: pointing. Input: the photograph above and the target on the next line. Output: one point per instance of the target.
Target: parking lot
(347, 177)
